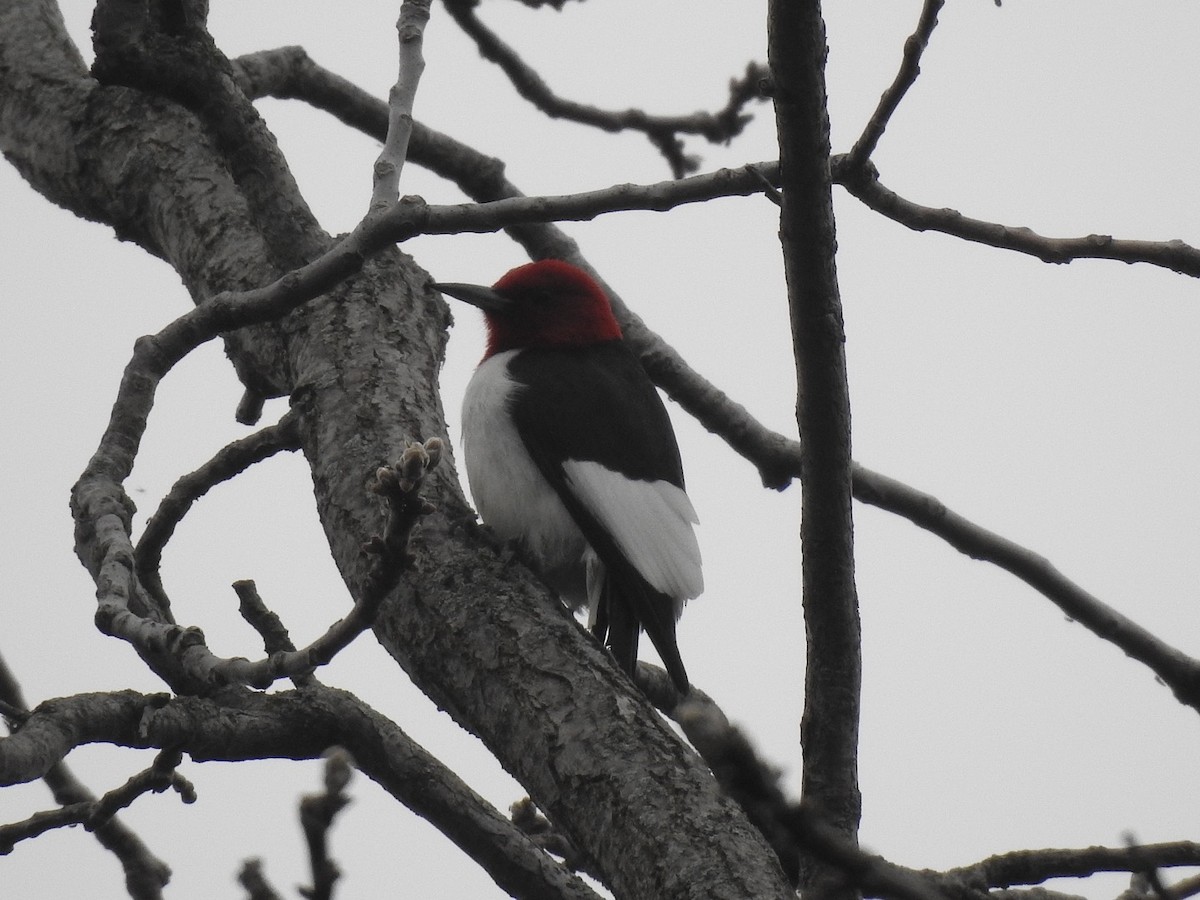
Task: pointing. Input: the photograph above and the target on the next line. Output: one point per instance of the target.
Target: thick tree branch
(300, 724)
(833, 676)
(290, 73)
(662, 131)
(104, 540)
(177, 58)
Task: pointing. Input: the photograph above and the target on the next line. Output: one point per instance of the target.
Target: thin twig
(94, 814)
(532, 821)
(910, 68)
(253, 879)
(268, 625)
(1174, 255)
(317, 812)
(230, 461)
(1178, 671)
(145, 874)
(410, 26)
(662, 131)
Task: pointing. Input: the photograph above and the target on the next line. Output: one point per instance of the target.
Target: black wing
(597, 403)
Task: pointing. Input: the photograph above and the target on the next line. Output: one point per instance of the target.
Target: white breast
(650, 521)
(510, 493)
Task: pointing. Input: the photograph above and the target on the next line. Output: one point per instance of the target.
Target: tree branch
(662, 131)
(317, 812)
(833, 672)
(230, 461)
(1035, 866)
(1174, 255)
(181, 653)
(145, 874)
(290, 73)
(269, 626)
(178, 59)
(906, 77)
(94, 814)
(410, 27)
(1178, 671)
(251, 877)
(297, 724)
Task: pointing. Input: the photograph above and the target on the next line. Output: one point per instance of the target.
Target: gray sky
(1055, 405)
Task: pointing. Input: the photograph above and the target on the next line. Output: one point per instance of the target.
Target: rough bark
(469, 627)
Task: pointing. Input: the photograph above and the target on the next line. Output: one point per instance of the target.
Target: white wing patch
(651, 522)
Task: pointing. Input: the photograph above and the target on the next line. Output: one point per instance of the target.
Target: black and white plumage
(569, 451)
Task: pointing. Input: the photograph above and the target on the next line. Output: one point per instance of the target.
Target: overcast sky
(1055, 405)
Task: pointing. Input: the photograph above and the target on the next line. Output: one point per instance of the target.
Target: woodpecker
(570, 453)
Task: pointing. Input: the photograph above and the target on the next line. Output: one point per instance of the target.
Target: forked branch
(662, 131)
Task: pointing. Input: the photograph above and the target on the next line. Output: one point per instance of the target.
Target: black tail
(627, 607)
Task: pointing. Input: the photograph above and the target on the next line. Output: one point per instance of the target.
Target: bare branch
(296, 724)
(1174, 255)
(230, 461)
(797, 50)
(182, 62)
(1186, 887)
(910, 68)
(496, 215)
(663, 131)
(93, 814)
(251, 877)
(777, 457)
(855, 870)
(145, 874)
(1178, 671)
(533, 822)
(1036, 866)
(268, 625)
(744, 776)
(411, 28)
(121, 610)
(317, 812)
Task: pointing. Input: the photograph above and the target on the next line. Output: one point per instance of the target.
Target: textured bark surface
(469, 626)
(829, 728)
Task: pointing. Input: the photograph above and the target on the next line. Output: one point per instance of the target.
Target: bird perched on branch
(569, 452)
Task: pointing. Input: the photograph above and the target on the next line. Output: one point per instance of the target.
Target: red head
(548, 303)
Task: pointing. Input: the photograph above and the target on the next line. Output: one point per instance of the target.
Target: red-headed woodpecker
(570, 453)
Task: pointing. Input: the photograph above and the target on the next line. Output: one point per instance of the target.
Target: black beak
(477, 295)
